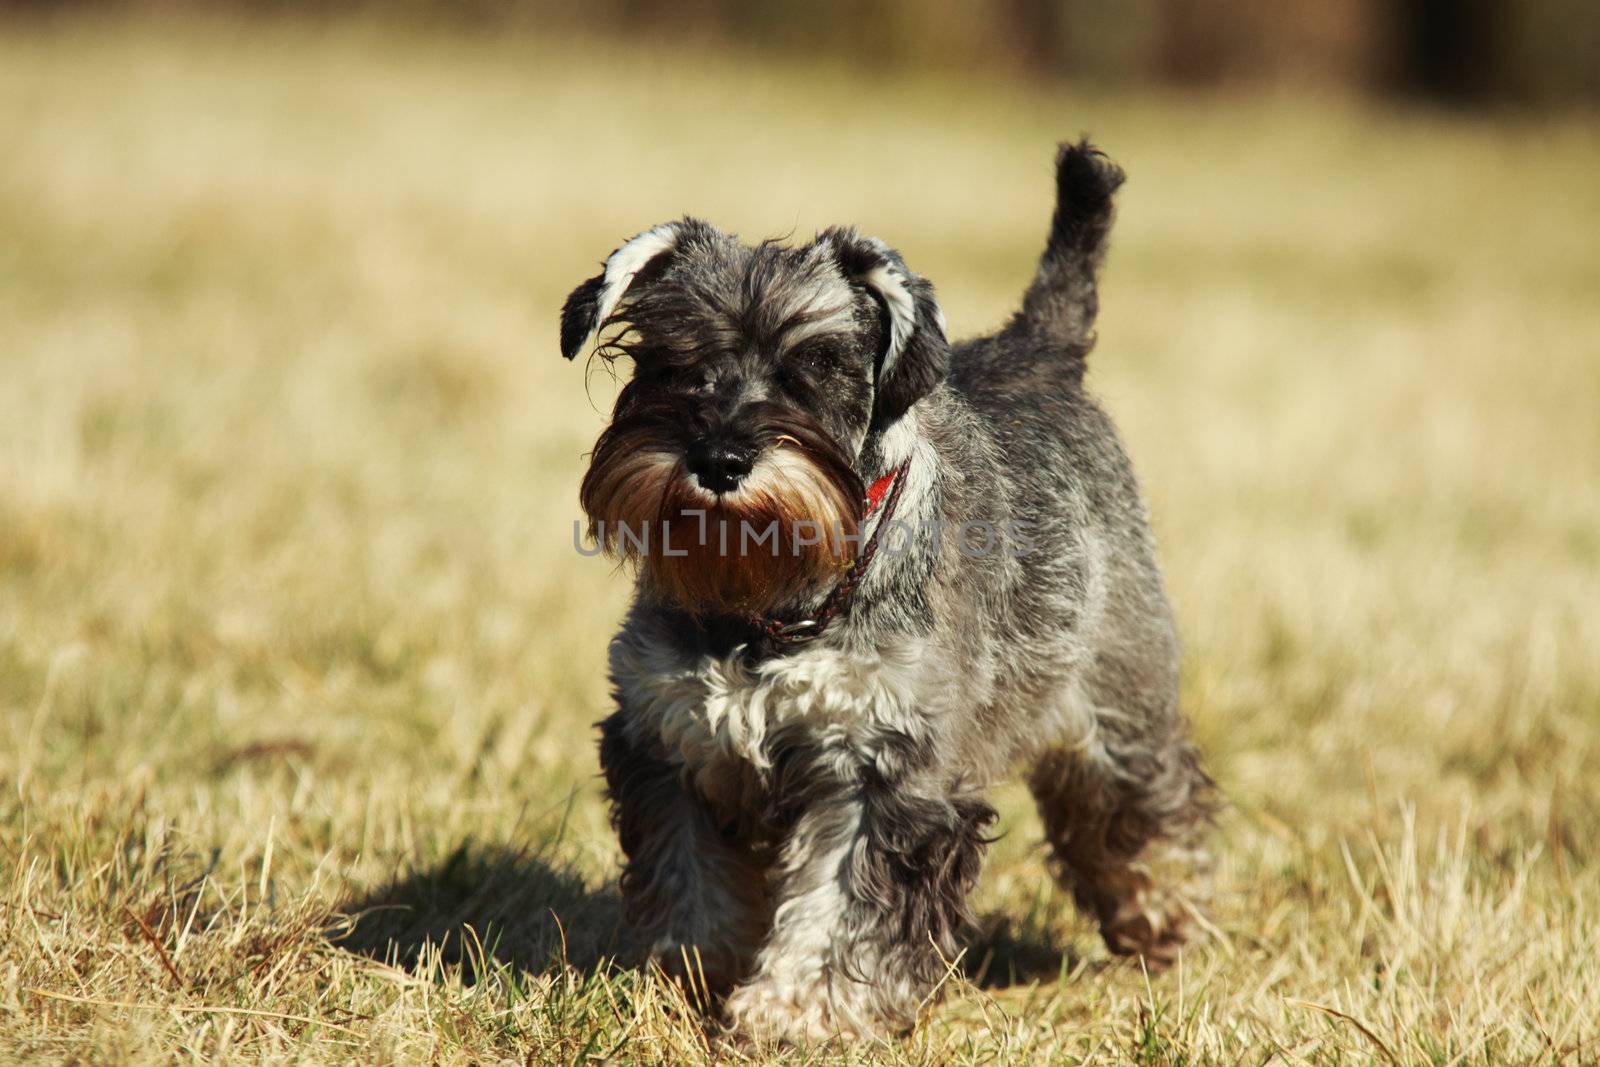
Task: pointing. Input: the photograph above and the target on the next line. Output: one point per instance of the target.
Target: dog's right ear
(915, 352)
(593, 302)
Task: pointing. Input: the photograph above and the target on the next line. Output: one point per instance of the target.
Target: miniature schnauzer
(875, 573)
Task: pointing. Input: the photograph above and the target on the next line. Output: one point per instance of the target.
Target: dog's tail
(1059, 307)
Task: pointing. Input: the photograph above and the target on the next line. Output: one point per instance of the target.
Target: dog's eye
(666, 369)
(813, 357)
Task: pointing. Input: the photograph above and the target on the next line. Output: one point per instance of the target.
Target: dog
(875, 574)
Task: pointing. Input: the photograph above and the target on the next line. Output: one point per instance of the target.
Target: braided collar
(784, 634)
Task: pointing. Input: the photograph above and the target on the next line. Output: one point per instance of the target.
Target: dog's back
(1093, 652)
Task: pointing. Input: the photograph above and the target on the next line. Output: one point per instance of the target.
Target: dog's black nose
(720, 466)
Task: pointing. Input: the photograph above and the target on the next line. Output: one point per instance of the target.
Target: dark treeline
(1456, 51)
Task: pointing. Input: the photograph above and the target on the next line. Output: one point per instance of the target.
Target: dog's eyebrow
(811, 321)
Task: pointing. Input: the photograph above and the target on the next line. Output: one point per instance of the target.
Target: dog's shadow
(1006, 951)
(484, 906)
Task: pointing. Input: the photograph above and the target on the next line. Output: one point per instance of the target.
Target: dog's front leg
(693, 899)
(871, 890)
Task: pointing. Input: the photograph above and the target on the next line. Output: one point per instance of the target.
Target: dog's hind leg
(1125, 809)
(693, 898)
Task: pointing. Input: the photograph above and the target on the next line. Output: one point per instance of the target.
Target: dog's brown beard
(746, 550)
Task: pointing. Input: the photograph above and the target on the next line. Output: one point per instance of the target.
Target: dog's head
(730, 468)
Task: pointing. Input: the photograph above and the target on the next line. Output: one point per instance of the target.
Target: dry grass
(297, 662)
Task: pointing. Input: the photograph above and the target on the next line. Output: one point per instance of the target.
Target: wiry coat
(803, 825)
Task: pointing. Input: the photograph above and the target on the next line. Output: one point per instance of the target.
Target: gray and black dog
(876, 574)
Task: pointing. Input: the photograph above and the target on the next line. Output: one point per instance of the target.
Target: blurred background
(1464, 52)
(292, 631)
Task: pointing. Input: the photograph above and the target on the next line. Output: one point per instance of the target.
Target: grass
(298, 665)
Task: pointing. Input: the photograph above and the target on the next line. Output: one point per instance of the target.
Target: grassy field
(298, 666)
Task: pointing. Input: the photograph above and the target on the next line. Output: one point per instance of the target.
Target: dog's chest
(725, 715)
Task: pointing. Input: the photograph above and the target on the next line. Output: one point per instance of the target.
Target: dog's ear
(593, 302)
(914, 354)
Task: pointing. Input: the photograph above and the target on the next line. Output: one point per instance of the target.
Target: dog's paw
(703, 975)
(1151, 919)
(765, 1013)
(1155, 937)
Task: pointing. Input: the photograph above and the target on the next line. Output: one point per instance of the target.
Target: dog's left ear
(591, 303)
(915, 353)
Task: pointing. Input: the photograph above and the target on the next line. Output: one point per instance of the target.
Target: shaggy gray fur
(804, 825)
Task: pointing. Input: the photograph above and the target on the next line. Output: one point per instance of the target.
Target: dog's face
(730, 469)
